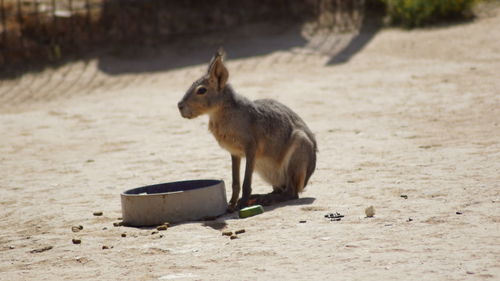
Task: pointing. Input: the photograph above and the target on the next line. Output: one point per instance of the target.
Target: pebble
(161, 227)
(370, 212)
(161, 236)
(116, 224)
(97, 214)
(76, 228)
(12, 247)
(302, 221)
(458, 213)
(104, 247)
(409, 219)
(404, 196)
(154, 232)
(76, 241)
(124, 234)
(239, 231)
(227, 233)
(233, 237)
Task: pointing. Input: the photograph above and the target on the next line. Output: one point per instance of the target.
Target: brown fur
(275, 141)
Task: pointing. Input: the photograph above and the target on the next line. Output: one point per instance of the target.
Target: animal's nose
(180, 105)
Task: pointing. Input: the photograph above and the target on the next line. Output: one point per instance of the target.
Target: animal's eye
(201, 91)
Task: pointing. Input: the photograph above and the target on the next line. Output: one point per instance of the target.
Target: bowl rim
(170, 187)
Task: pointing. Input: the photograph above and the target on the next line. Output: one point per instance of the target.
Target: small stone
(76, 241)
(370, 212)
(124, 234)
(104, 228)
(469, 272)
(404, 196)
(239, 231)
(303, 221)
(154, 232)
(227, 233)
(104, 247)
(409, 219)
(119, 218)
(458, 213)
(233, 237)
(12, 247)
(76, 228)
(97, 214)
(161, 227)
(161, 236)
(117, 224)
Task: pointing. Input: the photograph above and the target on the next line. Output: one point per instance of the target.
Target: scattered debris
(333, 216)
(370, 212)
(97, 214)
(404, 196)
(76, 241)
(239, 231)
(227, 233)
(76, 228)
(40, 250)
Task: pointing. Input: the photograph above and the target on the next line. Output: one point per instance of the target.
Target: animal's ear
(217, 71)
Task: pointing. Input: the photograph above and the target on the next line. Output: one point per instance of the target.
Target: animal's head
(205, 94)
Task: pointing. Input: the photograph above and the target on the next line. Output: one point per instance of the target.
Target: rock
(227, 233)
(104, 247)
(458, 213)
(76, 228)
(154, 232)
(303, 221)
(162, 227)
(161, 236)
(104, 228)
(124, 234)
(233, 237)
(12, 247)
(239, 231)
(76, 241)
(117, 224)
(370, 212)
(97, 214)
(409, 219)
(404, 196)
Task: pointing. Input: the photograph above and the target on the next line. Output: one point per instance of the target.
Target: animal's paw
(242, 203)
(231, 207)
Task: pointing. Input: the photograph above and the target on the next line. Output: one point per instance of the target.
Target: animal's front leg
(235, 161)
(247, 182)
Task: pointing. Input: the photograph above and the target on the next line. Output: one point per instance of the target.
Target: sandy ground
(414, 113)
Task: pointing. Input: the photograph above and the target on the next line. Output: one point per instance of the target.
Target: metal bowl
(173, 202)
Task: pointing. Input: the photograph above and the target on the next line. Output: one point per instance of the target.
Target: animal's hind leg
(296, 173)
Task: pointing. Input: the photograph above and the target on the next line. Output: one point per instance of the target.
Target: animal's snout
(180, 105)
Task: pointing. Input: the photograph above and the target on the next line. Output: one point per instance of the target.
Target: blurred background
(132, 36)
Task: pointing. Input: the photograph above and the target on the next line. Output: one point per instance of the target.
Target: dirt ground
(413, 113)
